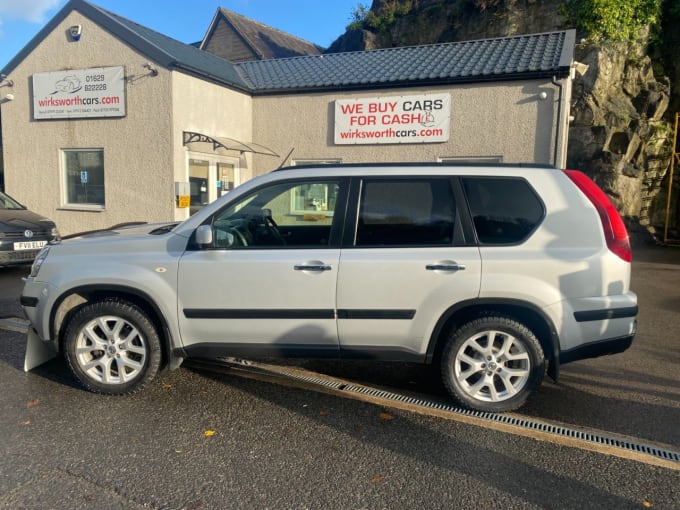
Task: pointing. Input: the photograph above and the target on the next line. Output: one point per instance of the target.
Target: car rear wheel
(112, 347)
(492, 364)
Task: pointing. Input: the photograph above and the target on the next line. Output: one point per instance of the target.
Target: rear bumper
(599, 348)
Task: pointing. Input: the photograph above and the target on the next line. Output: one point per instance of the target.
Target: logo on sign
(68, 84)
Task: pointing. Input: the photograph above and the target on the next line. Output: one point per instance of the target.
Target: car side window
(505, 210)
(290, 214)
(406, 212)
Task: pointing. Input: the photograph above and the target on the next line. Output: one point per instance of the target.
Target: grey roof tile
(523, 56)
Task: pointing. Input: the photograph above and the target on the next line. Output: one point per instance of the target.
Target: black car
(22, 232)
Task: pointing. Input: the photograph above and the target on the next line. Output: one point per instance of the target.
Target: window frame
(532, 191)
(338, 214)
(64, 169)
(463, 234)
(313, 162)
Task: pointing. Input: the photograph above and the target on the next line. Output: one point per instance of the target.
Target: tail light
(614, 229)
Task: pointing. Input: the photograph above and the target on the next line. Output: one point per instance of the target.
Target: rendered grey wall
(508, 119)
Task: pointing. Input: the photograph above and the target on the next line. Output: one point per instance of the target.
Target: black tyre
(112, 347)
(492, 364)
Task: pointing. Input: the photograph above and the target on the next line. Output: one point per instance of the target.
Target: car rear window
(505, 210)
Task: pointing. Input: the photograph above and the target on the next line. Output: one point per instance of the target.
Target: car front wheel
(492, 364)
(112, 347)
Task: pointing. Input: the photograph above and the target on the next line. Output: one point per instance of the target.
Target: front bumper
(17, 258)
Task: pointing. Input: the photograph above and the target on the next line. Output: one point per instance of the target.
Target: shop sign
(397, 119)
(79, 93)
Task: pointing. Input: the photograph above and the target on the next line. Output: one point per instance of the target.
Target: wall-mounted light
(543, 96)
(152, 68)
(7, 98)
(75, 31)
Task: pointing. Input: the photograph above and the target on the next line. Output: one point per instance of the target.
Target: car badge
(28, 233)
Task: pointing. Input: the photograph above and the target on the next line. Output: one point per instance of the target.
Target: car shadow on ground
(435, 447)
(564, 402)
(13, 351)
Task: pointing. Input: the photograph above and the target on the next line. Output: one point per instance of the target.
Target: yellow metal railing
(675, 157)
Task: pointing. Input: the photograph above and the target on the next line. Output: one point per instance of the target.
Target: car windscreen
(7, 202)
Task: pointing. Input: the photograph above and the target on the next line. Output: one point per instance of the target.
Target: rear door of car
(408, 255)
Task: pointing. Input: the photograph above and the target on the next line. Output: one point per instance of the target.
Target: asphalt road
(197, 439)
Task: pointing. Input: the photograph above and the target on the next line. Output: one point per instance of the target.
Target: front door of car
(410, 258)
(266, 285)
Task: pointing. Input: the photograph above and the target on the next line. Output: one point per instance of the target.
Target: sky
(317, 21)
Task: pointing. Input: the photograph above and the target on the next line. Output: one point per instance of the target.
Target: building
(105, 121)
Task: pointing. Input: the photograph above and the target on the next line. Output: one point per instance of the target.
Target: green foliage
(614, 20)
(359, 15)
(382, 21)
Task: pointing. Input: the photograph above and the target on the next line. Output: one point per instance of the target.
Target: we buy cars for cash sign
(398, 119)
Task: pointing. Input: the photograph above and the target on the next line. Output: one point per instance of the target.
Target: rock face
(619, 134)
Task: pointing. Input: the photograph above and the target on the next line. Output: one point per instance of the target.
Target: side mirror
(204, 235)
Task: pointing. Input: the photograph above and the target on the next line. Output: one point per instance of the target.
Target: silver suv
(495, 274)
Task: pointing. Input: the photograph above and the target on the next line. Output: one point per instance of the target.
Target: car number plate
(29, 245)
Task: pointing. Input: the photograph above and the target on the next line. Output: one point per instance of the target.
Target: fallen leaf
(386, 416)
(377, 479)
(167, 386)
(323, 413)
(209, 433)
(33, 403)
(179, 451)
(647, 504)
(27, 422)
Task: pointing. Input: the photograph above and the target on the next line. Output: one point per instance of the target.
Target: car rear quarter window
(505, 210)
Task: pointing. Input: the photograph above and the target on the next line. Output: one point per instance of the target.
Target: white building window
(83, 177)
(313, 198)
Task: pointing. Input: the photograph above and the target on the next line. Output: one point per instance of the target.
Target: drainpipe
(559, 118)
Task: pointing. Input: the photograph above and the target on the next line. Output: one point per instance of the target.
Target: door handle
(312, 266)
(445, 266)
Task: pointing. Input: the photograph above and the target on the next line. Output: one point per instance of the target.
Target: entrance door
(210, 177)
(199, 175)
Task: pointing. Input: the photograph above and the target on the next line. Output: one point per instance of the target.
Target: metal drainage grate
(526, 423)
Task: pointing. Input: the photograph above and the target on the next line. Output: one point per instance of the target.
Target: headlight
(39, 259)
